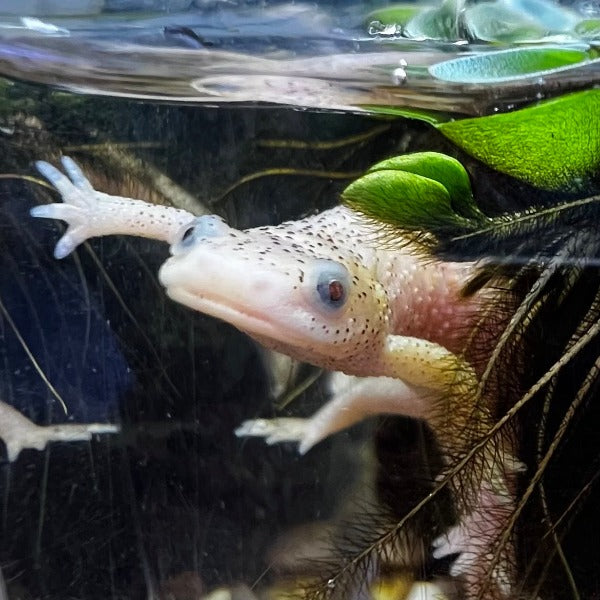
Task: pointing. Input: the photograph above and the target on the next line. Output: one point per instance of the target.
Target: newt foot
(89, 213)
(19, 433)
(474, 539)
(276, 431)
(80, 203)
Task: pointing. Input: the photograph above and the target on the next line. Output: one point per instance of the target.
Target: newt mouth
(254, 323)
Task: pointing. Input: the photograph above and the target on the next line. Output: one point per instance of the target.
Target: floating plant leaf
(508, 65)
(405, 200)
(441, 168)
(440, 23)
(421, 208)
(433, 117)
(553, 145)
(423, 192)
(588, 29)
(549, 15)
(395, 14)
(495, 22)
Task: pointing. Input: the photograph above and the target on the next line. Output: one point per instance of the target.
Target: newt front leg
(90, 213)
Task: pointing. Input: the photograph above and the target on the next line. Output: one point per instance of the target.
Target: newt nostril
(187, 234)
(204, 227)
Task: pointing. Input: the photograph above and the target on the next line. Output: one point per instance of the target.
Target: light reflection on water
(292, 54)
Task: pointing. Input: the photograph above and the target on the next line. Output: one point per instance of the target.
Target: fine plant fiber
(540, 378)
(550, 347)
(551, 344)
(372, 546)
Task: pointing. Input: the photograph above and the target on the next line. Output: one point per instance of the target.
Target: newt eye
(332, 285)
(207, 226)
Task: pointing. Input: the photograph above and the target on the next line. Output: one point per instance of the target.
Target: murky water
(259, 114)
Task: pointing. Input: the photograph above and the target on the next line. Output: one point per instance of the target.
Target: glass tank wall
(432, 297)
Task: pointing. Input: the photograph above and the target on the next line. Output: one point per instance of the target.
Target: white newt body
(325, 290)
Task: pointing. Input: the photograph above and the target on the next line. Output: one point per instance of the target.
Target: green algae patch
(552, 145)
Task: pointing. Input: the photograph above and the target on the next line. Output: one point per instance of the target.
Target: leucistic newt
(325, 290)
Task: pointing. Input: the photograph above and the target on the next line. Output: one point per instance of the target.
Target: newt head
(293, 290)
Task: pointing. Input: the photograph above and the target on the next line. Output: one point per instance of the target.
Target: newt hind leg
(353, 399)
(442, 391)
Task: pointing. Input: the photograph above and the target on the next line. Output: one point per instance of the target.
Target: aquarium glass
(391, 396)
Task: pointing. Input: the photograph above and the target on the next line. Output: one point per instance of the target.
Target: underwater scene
(299, 300)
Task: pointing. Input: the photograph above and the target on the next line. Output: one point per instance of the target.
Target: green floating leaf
(395, 14)
(422, 192)
(441, 168)
(496, 22)
(588, 29)
(508, 65)
(402, 199)
(441, 23)
(421, 114)
(553, 145)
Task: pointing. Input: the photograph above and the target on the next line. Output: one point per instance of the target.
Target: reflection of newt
(323, 290)
(19, 433)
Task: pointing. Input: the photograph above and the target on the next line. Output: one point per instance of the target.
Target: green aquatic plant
(421, 192)
(544, 260)
(427, 196)
(517, 21)
(509, 65)
(498, 21)
(394, 15)
(440, 23)
(588, 29)
(552, 144)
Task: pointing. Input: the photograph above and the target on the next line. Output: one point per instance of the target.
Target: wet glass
(260, 113)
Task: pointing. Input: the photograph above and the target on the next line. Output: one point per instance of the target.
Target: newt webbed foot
(79, 204)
